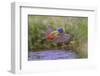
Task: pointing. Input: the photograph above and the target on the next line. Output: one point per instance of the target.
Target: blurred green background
(76, 26)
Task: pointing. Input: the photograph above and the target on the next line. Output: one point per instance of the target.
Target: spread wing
(49, 30)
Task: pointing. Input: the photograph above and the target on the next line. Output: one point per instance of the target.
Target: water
(52, 55)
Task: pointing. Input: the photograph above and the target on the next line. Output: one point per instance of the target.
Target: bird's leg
(63, 45)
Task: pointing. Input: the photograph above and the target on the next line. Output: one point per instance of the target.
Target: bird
(57, 36)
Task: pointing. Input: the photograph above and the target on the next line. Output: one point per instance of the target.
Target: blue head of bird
(60, 30)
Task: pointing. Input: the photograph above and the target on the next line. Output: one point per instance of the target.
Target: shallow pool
(52, 55)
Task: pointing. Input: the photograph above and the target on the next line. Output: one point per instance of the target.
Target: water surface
(52, 55)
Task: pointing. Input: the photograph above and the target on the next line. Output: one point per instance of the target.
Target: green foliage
(76, 26)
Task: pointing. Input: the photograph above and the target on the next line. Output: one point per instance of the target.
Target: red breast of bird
(50, 36)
